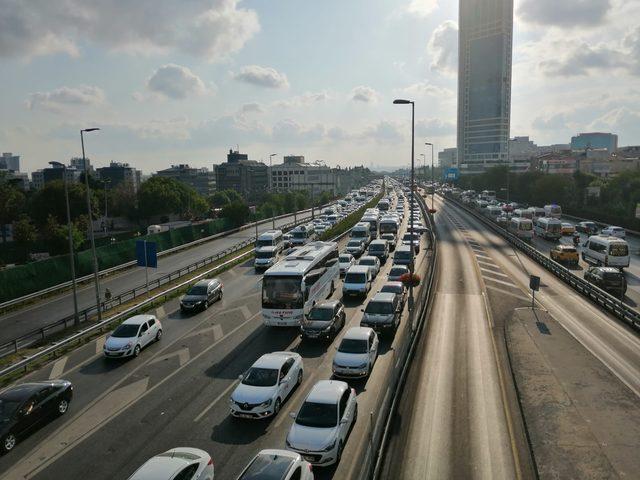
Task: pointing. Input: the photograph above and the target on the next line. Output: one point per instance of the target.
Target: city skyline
(247, 83)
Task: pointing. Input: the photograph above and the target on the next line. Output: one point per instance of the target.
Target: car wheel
(220, 295)
(8, 442)
(136, 351)
(63, 406)
(158, 335)
(276, 407)
(206, 304)
(300, 374)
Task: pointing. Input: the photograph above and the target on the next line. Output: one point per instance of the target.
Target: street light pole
(91, 237)
(412, 249)
(433, 188)
(273, 216)
(76, 318)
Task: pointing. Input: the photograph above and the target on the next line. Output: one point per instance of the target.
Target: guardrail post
(15, 346)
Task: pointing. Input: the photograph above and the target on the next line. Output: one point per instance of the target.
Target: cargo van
(607, 251)
(361, 231)
(521, 228)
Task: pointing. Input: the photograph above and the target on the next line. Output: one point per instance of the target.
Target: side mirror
(240, 377)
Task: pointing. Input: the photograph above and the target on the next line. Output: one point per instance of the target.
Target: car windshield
(355, 278)
(319, 415)
(392, 289)
(268, 467)
(321, 314)
(367, 262)
(282, 292)
(403, 254)
(619, 250)
(407, 237)
(397, 271)
(8, 407)
(353, 243)
(374, 247)
(358, 234)
(264, 242)
(261, 377)
(197, 290)
(612, 277)
(379, 308)
(126, 331)
(299, 235)
(264, 255)
(345, 258)
(353, 345)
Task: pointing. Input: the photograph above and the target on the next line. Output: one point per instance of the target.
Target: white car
(355, 247)
(612, 231)
(323, 422)
(277, 464)
(372, 262)
(266, 385)
(183, 463)
(356, 353)
(132, 336)
(396, 272)
(345, 260)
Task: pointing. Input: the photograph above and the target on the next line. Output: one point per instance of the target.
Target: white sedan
(266, 385)
(280, 464)
(183, 463)
(356, 354)
(323, 422)
(372, 262)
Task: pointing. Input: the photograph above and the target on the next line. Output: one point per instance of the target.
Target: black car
(201, 295)
(590, 228)
(324, 320)
(609, 279)
(26, 407)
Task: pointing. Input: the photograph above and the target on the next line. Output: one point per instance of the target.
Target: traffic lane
(632, 240)
(606, 337)
(19, 322)
(225, 430)
(95, 377)
(451, 422)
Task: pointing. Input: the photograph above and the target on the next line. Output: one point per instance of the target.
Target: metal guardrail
(607, 301)
(122, 266)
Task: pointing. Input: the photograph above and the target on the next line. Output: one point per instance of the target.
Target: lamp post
(273, 215)
(433, 188)
(412, 258)
(91, 237)
(76, 318)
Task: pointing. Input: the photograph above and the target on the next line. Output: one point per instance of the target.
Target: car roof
(357, 333)
(383, 297)
(23, 391)
(608, 269)
(403, 248)
(358, 269)
(403, 267)
(368, 257)
(378, 242)
(327, 391)
(327, 304)
(137, 319)
(346, 254)
(167, 464)
(205, 281)
(272, 360)
(565, 247)
(394, 284)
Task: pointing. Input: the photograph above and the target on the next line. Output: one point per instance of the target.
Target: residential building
(40, 178)
(610, 166)
(295, 174)
(595, 140)
(247, 177)
(202, 180)
(10, 162)
(19, 179)
(521, 151)
(78, 164)
(448, 157)
(558, 163)
(120, 174)
(484, 83)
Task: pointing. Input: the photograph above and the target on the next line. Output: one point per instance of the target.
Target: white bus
(292, 286)
(270, 238)
(553, 211)
(303, 234)
(493, 212)
(521, 227)
(389, 225)
(607, 251)
(548, 228)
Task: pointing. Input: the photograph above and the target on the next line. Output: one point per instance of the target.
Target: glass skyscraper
(484, 83)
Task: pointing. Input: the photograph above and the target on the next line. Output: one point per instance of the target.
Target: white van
(303, 234)
(361, 231)
(521, 227)
(554, 211)
(523, 213)
(536, 212)
(357, 281)
(270, 238)
(493, 212)
(265, 257)
(548, 228)
(607, 251)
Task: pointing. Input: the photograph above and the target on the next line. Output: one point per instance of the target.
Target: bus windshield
(282, 292)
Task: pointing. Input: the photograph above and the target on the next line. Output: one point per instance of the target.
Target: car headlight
(128, 345)
(266, 403)
(329, 447)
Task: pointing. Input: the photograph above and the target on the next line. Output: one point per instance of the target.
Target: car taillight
(210, 461)
(310, 466)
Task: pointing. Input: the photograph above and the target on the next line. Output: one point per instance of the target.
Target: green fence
(32, 277)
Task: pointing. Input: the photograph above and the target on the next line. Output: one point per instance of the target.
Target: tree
(223, 197)
(159, 195)
(50, 201)
(24, 234)
(236, 212)
(12, 203)
(123, 202)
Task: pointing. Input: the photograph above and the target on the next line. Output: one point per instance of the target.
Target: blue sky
(173, 81)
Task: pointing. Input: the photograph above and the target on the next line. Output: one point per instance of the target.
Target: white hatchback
(372, 262)
(266, 385)
(612, 231)
(132, 336)
(183, 463)
(277, 464)
(356, 353)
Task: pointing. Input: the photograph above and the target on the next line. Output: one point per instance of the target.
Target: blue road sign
(451, 174)
(151, 249)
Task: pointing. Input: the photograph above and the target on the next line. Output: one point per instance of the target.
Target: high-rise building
(295, 174)
(120, 174)
(484, 83)
(594, 140)
(447, 158)
(202, 180)
(10, 162)
(247, 177)
(41, 177)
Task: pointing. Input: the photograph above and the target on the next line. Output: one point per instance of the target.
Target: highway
(176, 392)
(459, 417)
(36, 315)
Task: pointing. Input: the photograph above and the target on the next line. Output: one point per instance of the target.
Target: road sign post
(534, 285)
(147, 256)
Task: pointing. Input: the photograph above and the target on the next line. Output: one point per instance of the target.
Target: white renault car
(356, 353)
(132, 336)
(323, 423)
(183, 463)
(277, 465)
(266, 385)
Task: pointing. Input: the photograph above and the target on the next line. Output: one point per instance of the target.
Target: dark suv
(609, 279)
(324, 320)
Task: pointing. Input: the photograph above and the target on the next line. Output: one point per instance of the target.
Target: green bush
(351, 220)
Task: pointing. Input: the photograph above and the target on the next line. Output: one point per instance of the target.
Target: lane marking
(58, 368)
(506, 292)
(494, 272)
(183, 356)
(508, 284)
(216, 400)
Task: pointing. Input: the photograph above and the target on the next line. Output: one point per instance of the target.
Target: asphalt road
(34, 316)
(176, 393)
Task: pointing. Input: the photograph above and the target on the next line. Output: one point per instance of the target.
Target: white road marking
(493, 272)
(58, 368)
(160, 312)
(100, 343)
(182, 354)
(217, 332)
(216, 400)
(506, 292)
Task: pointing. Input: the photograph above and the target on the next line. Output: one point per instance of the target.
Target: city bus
(293, 285)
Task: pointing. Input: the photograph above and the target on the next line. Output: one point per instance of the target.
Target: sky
(183, 81)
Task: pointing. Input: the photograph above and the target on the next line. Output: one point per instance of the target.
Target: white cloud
(619, 119)
(177, 82)
(262, 77)
(291, 132)
(421, 7)
(422, 89)
(556, 121)
(364, 94)
(204, 28)
(383, 132)
(443, 48)
(252, 107)
(64, 97)
(434, 127)
(304, 100)
(565, 14)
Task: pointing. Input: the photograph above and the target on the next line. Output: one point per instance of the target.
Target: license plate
(282, 324)
(244, 415)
